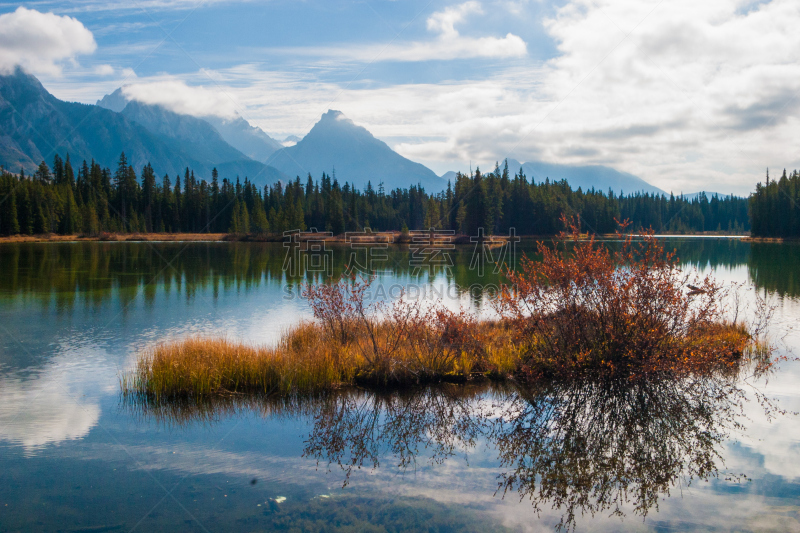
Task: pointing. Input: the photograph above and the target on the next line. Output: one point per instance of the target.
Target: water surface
(75, 457)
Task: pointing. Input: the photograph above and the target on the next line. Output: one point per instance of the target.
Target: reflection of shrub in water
(596, 446)
(581, 447)
(356, 430)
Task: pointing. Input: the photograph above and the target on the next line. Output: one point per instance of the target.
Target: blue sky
(345, 42)
(686, 95)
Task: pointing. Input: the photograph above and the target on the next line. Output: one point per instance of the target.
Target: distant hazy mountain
(205, 141)
(709, 195)
(209, 137)
(250, 140)
(115, 101)
(585, 177)
(358, 157)
(449, 176)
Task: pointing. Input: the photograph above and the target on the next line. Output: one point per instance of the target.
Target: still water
(75, 456)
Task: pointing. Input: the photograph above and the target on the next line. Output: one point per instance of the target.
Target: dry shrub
(399, 342)
(589, 310)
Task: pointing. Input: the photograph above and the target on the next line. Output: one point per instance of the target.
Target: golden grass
(306, 360)
(309, 360)
(199, 366)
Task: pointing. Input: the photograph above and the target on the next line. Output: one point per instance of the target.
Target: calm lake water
(74, 456)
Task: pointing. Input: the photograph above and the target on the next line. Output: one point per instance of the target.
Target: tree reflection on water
(596, 447)
(581, 447)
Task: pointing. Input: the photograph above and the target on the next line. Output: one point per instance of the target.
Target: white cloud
(40, 42)
(449, 43)
(688, 96)
(444, 22)
(179, 97)
(104, 70)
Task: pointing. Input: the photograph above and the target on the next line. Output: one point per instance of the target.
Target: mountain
(115, 101)
(204, 139)
(709, 195)
(35, 125)
(184, 129)
(449, 176)
(597, 176)
(250, 140)
(236, 131)
(335, 143)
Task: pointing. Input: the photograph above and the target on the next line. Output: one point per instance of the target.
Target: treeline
(94, 199)
(774, 208)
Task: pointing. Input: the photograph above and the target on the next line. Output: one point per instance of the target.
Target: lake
(76, 456)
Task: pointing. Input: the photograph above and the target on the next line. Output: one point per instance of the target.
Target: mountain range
(34, 125)
(600, 177)
(336, 145)
(251, 141)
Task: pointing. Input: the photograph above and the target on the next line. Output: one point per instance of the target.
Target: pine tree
(9, 223)
(148, 195)
(70, 221)
(120, 183)
(42, 174)
(91, 223)
(259, 223)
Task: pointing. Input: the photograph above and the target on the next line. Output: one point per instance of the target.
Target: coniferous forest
(87, 199)
(774, 209)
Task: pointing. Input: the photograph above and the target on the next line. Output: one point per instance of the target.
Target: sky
(687, 95)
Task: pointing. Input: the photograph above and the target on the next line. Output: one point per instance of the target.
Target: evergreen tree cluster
(774, 207)
(94, 199)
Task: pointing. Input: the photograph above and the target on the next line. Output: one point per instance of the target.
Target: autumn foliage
(587, 309)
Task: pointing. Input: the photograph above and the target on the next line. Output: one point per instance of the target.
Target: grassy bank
(391, 237)
(118, 237)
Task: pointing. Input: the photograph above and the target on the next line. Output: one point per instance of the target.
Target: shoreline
(394, 237)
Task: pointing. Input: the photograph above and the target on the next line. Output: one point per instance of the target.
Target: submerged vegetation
(582, 311)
